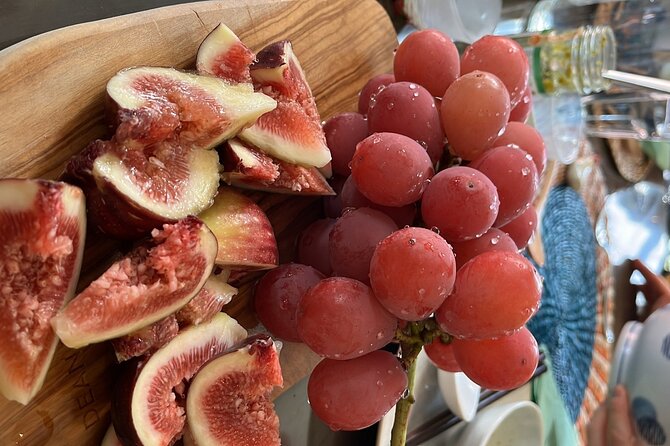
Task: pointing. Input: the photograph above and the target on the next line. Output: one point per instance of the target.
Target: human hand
(612, 423)
(656, 290)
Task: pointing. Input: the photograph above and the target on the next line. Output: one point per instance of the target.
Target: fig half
(145, 409)
(228, 401)
(291, 132)
(41, 245)
(150, 283)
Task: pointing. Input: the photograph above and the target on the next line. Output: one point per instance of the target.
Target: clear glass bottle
(570, 61)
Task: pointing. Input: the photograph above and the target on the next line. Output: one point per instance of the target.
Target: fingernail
(619, 391)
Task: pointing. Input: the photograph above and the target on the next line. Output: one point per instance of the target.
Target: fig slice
(223, 55)
(243, 232)
(145, 340)
(208, 302)
(228, 400)
(132, 190)
(156, 104)
(145, 408)
(291, 132)
(249, 168)
(153, 281)
(42, 242)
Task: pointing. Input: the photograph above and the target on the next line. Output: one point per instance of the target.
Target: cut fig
(145, 408)
(208, 302)
(146, 340)
(132, 190)
(228, 401)
(244, 233)
(150, 283)
(42, 242)
(156, 104)
(250, 168)
(291, 132)
(223, 55)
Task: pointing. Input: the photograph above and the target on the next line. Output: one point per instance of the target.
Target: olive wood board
(52, 96)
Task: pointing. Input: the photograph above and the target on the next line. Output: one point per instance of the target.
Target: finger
(595, 431)
(620, 431)
(656, 285)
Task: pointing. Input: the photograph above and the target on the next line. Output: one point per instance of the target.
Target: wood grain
(51, 90)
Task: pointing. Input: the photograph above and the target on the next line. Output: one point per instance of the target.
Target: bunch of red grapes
(422, 231)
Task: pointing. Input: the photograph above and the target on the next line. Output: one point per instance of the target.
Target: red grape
(514, 175)
(461, 202)
(474, 112)
(494, 294)
(353, 198)
(429, 58)
(332, 204)
(521, 111)
(343, 132)
(408, 109)
(521, 228)
(277, 295)
(500, 56)
(504, 363)
(353, 240)
(341, 318)
(412, 271)
(313, 245)
(527, 139)
(371, 89)
(354, 394)
(391, 169)
(442, 355)
(493, 240)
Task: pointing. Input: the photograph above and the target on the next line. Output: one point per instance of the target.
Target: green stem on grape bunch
(412, 338)
(410, 351)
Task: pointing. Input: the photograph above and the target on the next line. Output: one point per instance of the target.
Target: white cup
(514, 424)
(642, 364)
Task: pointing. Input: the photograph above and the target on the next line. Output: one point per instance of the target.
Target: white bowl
(460, 394)
(642, 364)
(518, 424)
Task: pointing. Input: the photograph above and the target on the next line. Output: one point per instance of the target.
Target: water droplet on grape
(406, 226)
(380, 335)
(390, 106)
(415, 94)
(510, 50)
(379, 383)
(412, 241)
(495, 240)
(373, 101)
(525, 171)
(529, 157)
(435, 229)
(412, 86)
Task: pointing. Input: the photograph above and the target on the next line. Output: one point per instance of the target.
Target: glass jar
(571, 61)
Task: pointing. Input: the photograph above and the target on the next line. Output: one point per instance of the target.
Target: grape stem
(412, 338)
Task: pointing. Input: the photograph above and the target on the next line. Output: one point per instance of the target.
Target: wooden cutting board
(51, 91)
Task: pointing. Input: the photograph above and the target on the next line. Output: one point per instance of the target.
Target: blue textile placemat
(566, 320)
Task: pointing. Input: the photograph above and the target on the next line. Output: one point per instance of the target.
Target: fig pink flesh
(151, 282)
(41, 254)
(229, 397)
